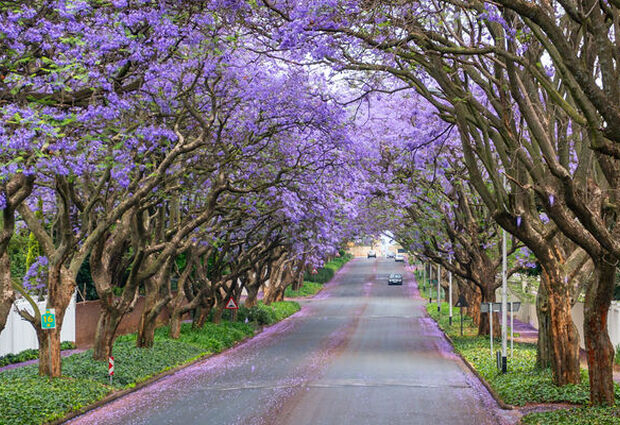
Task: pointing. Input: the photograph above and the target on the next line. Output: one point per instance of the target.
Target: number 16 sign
(48, 320)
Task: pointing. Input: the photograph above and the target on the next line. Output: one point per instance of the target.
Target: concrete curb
(121, 393)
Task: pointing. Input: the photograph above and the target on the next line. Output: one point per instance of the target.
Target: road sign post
(231, 304)
(48, 320)
(462, 302)
(491, 308)
(111, 368)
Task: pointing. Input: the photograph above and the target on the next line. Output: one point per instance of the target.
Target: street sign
(48, 320)
(497, 307)
(231, 304)
(462, 302)
(111, 366)
(485, 307)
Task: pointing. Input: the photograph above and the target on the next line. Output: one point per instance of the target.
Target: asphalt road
(361, 353)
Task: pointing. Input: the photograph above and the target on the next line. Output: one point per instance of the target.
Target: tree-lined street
(176, 174)
(363, 352)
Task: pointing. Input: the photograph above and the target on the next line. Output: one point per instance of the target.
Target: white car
(399, 257)
(372, 254)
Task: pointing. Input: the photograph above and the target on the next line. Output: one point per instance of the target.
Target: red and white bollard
(111, 368)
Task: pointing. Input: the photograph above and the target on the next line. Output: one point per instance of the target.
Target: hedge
(325, 273)
(307, 289)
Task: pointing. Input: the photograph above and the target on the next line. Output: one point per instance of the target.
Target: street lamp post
(504, 302)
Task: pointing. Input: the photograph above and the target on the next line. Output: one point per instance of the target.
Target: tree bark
(563, 335)
(543, 345)
(488, 296)
(50, 363)
(7, 295)
(156, 298)
(146, 332)
(108, 323)
(61, 285)
(599, 349)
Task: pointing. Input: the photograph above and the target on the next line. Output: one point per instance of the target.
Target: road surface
(361, 353)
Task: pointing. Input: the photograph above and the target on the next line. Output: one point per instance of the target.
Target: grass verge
(524, 383)
(307, 289)
(26, 398)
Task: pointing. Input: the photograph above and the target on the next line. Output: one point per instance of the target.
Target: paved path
(361, 352)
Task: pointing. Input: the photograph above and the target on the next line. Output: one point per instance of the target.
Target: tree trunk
(146, 332)
(484, 324)
(7, 295)
(219, 310)
(564, 338)
(599, 348)
(543, 345)
(61, 285)
(251, 300)
(50, 363)
(175, 325)
(105, 335)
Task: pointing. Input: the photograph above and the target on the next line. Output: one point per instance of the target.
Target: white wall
(527, 314)
(19, 335)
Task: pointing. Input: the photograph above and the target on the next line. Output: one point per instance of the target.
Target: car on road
(399, 257)
(390, 255)
(372, 254)
(395, 279)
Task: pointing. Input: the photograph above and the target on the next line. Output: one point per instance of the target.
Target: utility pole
(438, 287)
(504, 302)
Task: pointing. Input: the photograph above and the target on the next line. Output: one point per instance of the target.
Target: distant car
(395, 279)
(390, 255)
(372, 254)
(399, 257)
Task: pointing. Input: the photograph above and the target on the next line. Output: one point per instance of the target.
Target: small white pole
(438, 287)
(491, 326)
(512, 326)
(450, 294)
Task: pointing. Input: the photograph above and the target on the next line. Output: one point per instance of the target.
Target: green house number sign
(48, 320)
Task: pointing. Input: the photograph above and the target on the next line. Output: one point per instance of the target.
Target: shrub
(306, 289)
(325, 273)
(262, 314)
